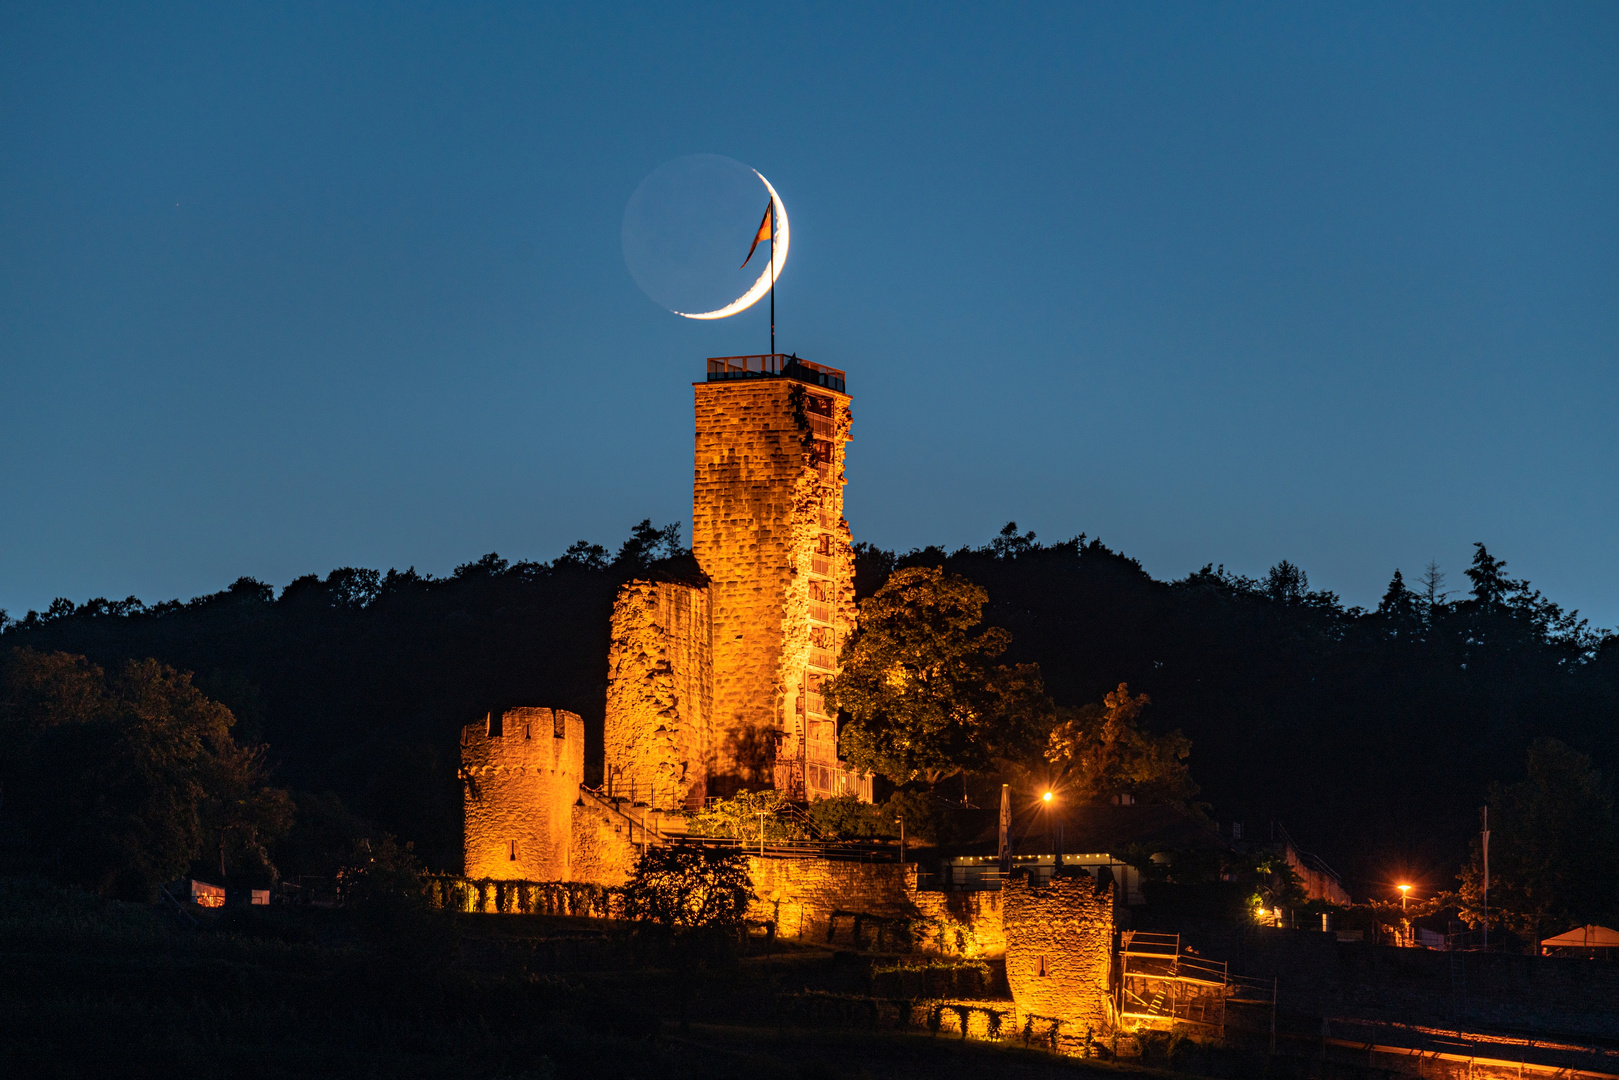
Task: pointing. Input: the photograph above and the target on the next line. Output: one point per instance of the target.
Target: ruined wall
(658, 737)
(520, 772)
(605, 842)
(767, 514)
(1059, 945)
(967, 924)
(802, 895)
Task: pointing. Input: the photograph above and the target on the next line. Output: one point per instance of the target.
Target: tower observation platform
(775, 366)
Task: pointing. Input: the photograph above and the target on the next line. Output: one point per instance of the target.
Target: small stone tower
(520, 771)
(1059, 950)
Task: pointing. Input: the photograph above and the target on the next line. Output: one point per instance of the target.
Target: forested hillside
(1373, 735)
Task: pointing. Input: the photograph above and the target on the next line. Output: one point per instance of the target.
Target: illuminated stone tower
(715, 684)
(768, 531)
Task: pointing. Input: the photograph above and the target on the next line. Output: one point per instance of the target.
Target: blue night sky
(288, 288)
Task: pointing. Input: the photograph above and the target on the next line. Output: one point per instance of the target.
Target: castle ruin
(713, 686)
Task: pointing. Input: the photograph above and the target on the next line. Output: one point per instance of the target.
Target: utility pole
(1006, 831)
(1484, 820)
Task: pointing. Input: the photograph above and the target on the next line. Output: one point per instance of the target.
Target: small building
(203, 894)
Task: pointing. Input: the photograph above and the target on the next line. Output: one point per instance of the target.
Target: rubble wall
(658, 736)
(1059, 945)
(802, 896)
(605, 843)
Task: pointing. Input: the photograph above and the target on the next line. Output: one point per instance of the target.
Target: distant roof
(1110, 829)
(1590, 936)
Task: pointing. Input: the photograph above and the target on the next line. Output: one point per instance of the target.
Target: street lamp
(1405, 891)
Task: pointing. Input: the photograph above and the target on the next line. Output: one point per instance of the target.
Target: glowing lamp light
(1046, 797)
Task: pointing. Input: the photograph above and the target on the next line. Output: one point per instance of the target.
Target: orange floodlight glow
(1046, 797)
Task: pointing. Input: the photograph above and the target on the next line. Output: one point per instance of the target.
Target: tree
(1554, 848)
(742, 816)
(688, 888)
(1106, 753)
(1401, 607)
(381, 876)
(120, 784)
(1491, 586)
(928, 819)
(923, 698)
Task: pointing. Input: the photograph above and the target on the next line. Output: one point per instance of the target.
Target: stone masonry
(714, 685)
(520, 772)
(1059, 947)
(768, 530)
(658, 736)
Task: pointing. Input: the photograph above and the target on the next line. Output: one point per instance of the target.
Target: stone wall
(803, 896)
(967, 923)
(763, 508)
(606, 843)
(1059, 947)
(521, 771)
(658, 737)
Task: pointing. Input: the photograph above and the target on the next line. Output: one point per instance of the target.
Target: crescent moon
(773, 271)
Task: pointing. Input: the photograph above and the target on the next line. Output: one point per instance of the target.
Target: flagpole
(772, 276)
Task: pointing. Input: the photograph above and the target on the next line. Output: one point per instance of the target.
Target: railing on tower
(774, 366)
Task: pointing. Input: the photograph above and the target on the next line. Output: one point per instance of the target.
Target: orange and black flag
(764, 230)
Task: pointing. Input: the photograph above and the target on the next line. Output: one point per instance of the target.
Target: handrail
(775, 365)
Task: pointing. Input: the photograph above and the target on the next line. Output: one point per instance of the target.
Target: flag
(764, 230)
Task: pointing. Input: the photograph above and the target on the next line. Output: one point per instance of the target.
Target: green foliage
(380, 875)
(928, 818)
(742, 816)
(1215, 882)
(118, 784)
(1372, 733)
(323, 838)
(1105, 753)
(844, 817)
(923, 697)
(688, 887)
(360, 681)
(1554, 848)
